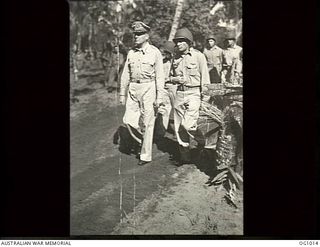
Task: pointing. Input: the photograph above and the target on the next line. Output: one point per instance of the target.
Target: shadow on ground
(127, 145)
(204, 159)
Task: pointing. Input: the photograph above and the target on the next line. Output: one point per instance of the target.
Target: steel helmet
(211, 37)
(183, 33)
(231, 36)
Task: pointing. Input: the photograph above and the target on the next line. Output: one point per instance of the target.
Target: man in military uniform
(191, 75)
(116, 59)
(231, 60)
(142, 81)
(170, 88)
(213, 55)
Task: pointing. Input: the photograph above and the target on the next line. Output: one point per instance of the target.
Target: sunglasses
(139, 33)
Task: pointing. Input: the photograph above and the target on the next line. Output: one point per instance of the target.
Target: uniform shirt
(143, 64)
(166, 69)
(213, 56)
(192, 67)
(231, 55)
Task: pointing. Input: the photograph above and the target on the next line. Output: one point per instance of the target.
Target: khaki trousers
(140, 114)
(186, 114)
(168, 100)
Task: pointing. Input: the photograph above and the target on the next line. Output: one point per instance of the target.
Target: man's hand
(176, 79)
(158, 103)
(204, 89)
(122, 99)
(204, 93)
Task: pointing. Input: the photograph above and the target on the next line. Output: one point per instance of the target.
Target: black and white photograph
(129, 120)
(156, 117)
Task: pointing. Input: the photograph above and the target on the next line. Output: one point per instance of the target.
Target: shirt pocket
(147, 67)
(192, 69)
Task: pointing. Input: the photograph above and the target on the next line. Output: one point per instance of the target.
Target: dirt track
(168, 199)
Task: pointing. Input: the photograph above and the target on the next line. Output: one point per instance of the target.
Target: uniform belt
(170, 82)
(142, 80)
(186, 88)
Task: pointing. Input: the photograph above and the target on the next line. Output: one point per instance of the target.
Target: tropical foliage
(93, 24)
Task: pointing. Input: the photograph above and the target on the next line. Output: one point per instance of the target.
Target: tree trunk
(176, 19)
(90, 39)
(79, 40)
(238, 29)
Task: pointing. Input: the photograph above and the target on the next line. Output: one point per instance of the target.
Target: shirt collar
(180, 56)
(190, 51)
(214, 47)
(234, 47)
(144, 50)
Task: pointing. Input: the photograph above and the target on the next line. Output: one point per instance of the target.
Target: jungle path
(97, 188)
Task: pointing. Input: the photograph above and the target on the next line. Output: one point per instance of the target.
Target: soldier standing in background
(213, 55)
(231, 60)
(190, 72)
(106, 60)
(142, 81)
(110, 60)
(113, 71)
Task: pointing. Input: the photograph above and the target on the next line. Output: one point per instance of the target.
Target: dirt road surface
(111, 194)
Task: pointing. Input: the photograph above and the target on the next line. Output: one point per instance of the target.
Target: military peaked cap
(139, 27)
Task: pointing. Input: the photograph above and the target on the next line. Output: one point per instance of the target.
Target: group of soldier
(154, 83)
